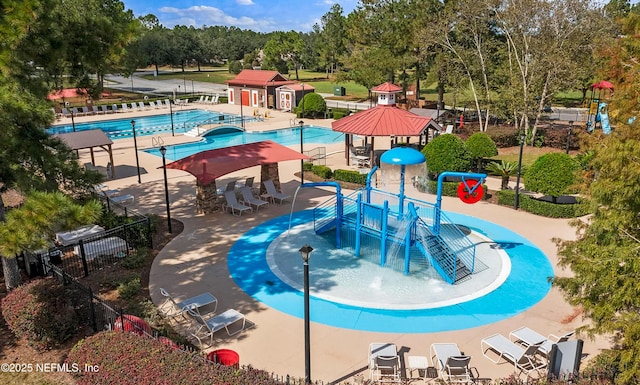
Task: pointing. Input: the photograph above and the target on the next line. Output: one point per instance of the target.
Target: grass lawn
(529, 154)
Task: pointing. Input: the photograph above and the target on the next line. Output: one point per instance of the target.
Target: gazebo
(209, 165)
(89, 139)
(385, 119)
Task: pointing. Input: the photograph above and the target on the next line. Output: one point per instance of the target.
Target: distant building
(265, 89)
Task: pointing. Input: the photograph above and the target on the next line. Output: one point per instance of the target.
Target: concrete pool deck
(196, 261)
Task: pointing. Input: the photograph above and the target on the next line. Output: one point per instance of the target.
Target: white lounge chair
(527, 337)
(142, 106)
(85, 111)
(208, 327)
(232, 203)
(171, 308)
(214, 99)
(272, 193)
(103, 109)
(134, 106)
(384, 363)
(167, 103)
(450, 362)
(114, 108)
(498, 347)
(201, 99)
(124, 108)
(249, 199)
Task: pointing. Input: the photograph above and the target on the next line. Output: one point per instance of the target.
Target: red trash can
(226, 357)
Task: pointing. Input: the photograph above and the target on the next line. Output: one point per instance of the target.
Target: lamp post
(569, 136)
(302, 152)
(517, 199)
(241, 103)
(171, 114)
(305, 252)
(73, 122)
(135, 145)
(163, 151)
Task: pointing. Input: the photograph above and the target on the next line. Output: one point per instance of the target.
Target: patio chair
(207, 327)
(86, 111)
(232, 203)
(524, 360)
(142, 106)
(527, 337)
(124, 108)
(272, 193)
(104, 110)
(214, 99)
(172, 308)
(249, 199)
(65, 112)
(114, 108)
(95, 110)
(167, 103)
(384, 363)
(450, 362)
(201, 99)
(205, 100)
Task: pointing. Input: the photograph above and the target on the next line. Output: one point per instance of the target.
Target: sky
(256, 15)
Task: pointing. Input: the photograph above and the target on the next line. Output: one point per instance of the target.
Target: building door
(245, 98)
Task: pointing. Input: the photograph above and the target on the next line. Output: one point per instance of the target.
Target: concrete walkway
(195, 262)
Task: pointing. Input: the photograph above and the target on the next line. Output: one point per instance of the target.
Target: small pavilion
(385, 119)
(81, 140)
(209, 165)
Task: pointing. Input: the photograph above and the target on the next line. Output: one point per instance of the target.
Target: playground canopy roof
(384, 120)
(209, 165)
(602, 84)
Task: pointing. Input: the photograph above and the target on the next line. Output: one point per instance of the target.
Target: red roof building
(265, 89)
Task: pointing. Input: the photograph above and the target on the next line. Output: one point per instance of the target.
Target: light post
(241, 113)
(171, 114)
(517, 199)
(135, 145)
(163, 151)
(305, 252)
(569, 136)
(302, 152)
(179, 85)
(73, 122)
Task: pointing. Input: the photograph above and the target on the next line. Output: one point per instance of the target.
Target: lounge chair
(249, 199)
(201, 99)
(207, 327)
(214, 99)
(450, 362)
(142, 106)
(114, 108)
(152, 105)
(134, 106)
(125, 108)
(167, 103)
(524, 360)
(232, 203)
(171, 308)
(205, 100)
(272, 193)
(74, 111)
(85, 111)
(527, 337)
(103, 109)
(384, 363)
(65, 112)
(95, 110)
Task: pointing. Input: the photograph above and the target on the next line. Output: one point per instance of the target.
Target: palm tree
(504, 169)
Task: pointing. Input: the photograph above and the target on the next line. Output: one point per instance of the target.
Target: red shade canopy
(67, 93)
(382, 120)
(209, 165)
(602, 84)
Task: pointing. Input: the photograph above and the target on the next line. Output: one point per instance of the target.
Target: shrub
(135, 259)
(338, 114)
(313, 103)
(446, 152)
(322, 171)
(129, 288)
(235, 67)
(350, 176)
(449, 189)
(551, 174)
(307, 166)
(126, 358)
(480, 145)
(40, 311)
(545, 209)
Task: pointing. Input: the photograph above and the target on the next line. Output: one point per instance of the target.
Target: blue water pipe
(339, 205)
(463, 176)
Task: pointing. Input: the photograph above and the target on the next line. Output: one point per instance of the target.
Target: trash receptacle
(226, 357)
(339, 91)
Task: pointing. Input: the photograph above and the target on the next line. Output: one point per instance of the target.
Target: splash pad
(354, 285)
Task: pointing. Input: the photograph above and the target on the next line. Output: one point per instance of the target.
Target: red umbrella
(602, 84)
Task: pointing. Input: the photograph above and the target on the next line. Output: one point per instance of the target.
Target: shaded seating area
(272, 193)
(249, 199)
(499, 349)
(233, 205)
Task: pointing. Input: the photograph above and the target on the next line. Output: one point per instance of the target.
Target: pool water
(183, 121)
(285, 137)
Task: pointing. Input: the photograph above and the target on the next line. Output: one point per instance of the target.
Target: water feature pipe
(339, 205)
(368, 183)
(462, 175)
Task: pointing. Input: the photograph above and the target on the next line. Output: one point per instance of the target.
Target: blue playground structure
(406, 231)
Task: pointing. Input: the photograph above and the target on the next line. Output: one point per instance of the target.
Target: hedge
(322, 171)
(41, 312)
(350, 176)
(546, 209)
(126, 358)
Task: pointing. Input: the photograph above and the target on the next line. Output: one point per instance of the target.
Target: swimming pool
(285, 137)
(183, 121)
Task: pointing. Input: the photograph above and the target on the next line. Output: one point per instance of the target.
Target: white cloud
(200, 15)
(244, 2)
